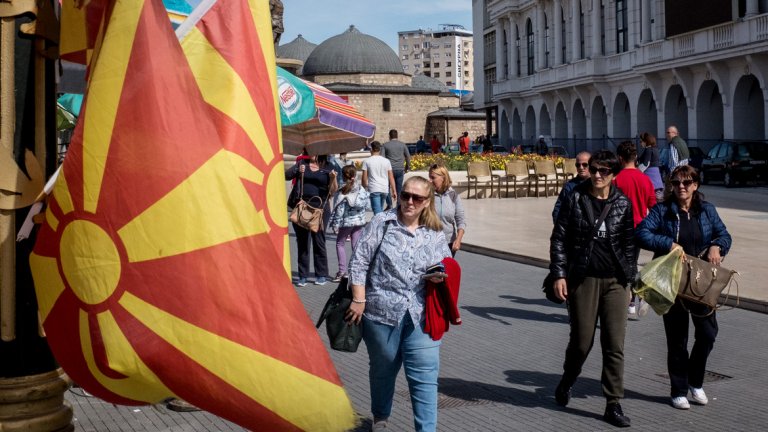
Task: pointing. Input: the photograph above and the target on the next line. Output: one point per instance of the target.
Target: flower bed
(422, 162)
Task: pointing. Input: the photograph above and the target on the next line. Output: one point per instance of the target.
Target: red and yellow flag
(162, 267)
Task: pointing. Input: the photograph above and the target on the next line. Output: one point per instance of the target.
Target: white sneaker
(681, 402)
(632, 310)
(698, 396)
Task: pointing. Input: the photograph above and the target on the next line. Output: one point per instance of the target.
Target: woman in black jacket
(593, 267)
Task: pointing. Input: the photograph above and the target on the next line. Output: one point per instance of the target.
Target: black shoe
(562, 394)
(615, 416)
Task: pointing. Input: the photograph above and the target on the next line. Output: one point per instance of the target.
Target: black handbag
(343, 335)
(548, 286)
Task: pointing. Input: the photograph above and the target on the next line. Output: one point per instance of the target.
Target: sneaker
(562, 394)
(301, 282)
(321, 281)
(615, 416)
(681, 403)
(338, 277)
(632, 310)
(698, 395)
(379, 425)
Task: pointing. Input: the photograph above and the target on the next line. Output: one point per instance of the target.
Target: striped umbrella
(336, 128)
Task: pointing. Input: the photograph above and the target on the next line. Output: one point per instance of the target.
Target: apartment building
(445, 54)
(594, 72)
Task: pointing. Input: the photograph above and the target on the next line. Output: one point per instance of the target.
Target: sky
(317, 20)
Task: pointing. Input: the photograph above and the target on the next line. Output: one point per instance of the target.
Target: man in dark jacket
(582, 174)
(592, 264)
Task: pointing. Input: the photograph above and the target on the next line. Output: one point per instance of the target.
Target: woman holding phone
(388, 295)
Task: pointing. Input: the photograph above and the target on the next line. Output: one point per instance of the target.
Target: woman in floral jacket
(348, 217)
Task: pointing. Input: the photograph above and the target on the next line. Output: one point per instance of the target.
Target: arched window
(529, 43)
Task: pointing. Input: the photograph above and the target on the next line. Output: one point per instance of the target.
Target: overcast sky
(317, 20)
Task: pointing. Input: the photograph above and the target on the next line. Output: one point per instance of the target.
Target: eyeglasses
(407, 196)
(605, 172)
(685, 183)
(581, 165)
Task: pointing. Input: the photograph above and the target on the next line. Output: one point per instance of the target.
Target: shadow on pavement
(493, 313)
(530, 301)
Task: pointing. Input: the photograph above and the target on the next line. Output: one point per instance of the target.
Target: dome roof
(352, 52)
(298, 49)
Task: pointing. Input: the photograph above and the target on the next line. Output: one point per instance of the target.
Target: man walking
(397, 153)
(678, 149)
(639, 189)
(464, 143)
(378, 178)
(582, 173)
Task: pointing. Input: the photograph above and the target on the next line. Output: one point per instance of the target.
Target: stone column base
(35, 403)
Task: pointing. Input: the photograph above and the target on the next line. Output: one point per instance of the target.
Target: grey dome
(298, 49)
(352, 52)
(422, 81)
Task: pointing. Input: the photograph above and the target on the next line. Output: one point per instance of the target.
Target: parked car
(735, 163)
(696, 157)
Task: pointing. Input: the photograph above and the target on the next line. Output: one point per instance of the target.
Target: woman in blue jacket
(685, 219)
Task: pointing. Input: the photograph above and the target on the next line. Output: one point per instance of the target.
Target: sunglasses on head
(602, 170)
(407, 196)
(685, 183)
(582, 165)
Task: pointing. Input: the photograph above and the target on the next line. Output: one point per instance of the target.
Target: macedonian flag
(161, 267)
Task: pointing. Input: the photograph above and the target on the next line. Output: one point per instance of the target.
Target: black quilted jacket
(570, 245)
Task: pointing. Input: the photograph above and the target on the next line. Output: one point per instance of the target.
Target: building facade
(445, 54)
(591, 73)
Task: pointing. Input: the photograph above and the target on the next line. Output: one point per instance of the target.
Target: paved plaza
(499, 369)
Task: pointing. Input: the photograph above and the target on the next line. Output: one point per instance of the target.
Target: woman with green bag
(685, 220)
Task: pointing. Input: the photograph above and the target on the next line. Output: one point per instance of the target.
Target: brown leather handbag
(703, 282)
(308, 216)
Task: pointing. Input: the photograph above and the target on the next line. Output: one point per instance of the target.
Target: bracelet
(358, 301)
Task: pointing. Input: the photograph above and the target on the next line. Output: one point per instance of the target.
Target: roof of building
(420, 80)
(369, 88)
(298, 49)
(352, 52)
(456, 113)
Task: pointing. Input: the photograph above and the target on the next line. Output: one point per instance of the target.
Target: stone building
(591, 73)
(291, 56)
(367, 72)
(445, 54)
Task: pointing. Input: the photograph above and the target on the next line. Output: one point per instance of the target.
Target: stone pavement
(499, 369)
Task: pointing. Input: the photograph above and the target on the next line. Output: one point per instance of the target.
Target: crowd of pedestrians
(616, 204)
(600, 223)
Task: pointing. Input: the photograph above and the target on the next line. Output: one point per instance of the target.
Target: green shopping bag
(659, 281)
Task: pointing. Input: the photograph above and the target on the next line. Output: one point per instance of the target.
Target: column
(540, 33)
(512, 35)
(575, 30)
(645, 21)
(596, 26)
(499, 51)
(558, 16)
(752, 8)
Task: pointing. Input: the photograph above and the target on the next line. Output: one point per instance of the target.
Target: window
(426, 64)
(436, 75)
(436, 55)
(386, 104)
(466, 63)
(529, 41)
(489, 49)
(448, 64)
(506, 57)
(425, 45)
(404, 47)
(437, 65)
(449, 83)
(448, 45)
(546, 41)
(405, 67)
(417, 56)
(434, 45)
(562, 35)
(602, 27)
(621, 26)
(448, 54)
(466, 73)
(581, 31)
(405, 56)
(517, 49)
(448, 74)
(416, 46)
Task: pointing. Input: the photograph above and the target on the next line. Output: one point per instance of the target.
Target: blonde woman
(448, 206)
(388, 294)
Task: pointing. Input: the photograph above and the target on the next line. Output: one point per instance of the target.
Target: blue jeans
(389, 348)
(398, 175)
(377, 201)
